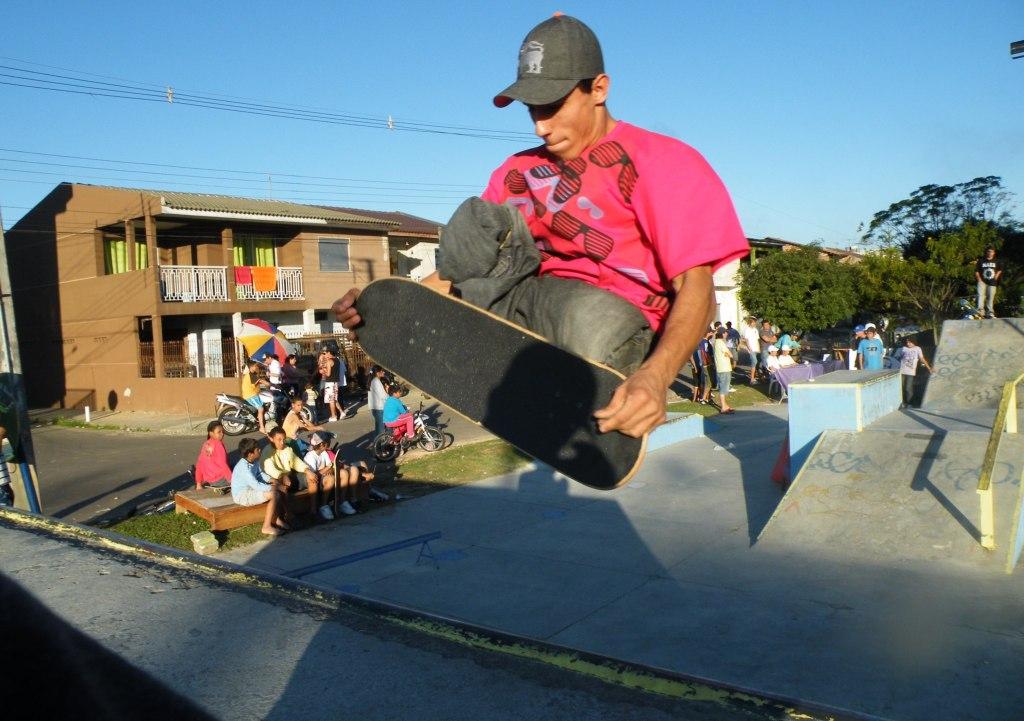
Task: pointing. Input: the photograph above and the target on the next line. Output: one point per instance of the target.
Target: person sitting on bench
(321, 460)
(285, 466)
(212, 467)
(250, 486)
(396, 415)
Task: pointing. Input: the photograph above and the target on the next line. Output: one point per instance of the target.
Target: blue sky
(815, 114)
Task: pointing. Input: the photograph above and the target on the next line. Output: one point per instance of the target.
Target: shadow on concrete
(754, 438)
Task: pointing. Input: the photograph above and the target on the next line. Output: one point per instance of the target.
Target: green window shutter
(253, 250)
(115, 256)
(264, 248)
(141, 256)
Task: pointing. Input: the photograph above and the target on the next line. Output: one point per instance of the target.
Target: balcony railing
(289, 287)
(204, 283)
(193, 283)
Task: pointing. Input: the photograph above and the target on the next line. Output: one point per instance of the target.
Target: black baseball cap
(554, 57)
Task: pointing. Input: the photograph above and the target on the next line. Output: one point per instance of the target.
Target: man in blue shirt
(250, 486)
(870, 350)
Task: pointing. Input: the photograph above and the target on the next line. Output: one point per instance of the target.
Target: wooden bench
(223, 514)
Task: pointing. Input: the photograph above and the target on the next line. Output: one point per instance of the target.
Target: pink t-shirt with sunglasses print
(634, 211)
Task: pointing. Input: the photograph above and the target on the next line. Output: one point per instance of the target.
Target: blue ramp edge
(678, 427)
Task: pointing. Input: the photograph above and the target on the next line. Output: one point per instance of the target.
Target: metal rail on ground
(1006, 419)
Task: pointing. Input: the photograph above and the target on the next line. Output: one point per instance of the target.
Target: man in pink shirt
(603, 240)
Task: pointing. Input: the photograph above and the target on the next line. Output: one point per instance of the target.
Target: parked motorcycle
(393, 441)
(239, 417)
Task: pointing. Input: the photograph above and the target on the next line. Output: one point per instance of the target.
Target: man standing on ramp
(603, 240)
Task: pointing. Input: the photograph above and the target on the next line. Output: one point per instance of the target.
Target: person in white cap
(321, 462)
(603, 240)
(772, 364)
(785, 359)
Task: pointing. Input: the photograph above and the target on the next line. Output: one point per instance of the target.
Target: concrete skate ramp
(885, 496)
(973, 361)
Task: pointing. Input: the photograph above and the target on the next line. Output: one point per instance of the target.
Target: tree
(800, 289)
(925, 289)
(932, 210)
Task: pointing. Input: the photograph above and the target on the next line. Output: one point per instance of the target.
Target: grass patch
(455, 467)
(742, 396)
(175, 529)
(420, 476)
(75, 423)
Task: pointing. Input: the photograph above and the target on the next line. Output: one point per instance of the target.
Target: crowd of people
(766, 348)
(296, 455)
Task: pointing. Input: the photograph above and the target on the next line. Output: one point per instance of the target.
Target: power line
(261, 173)
(77, 83)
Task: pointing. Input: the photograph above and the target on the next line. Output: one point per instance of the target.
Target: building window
(252, 249)
(334, 255)
(115, 254)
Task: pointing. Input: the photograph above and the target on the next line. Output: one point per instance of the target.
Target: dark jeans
(908, 388)
(378, 422)
(487, 252)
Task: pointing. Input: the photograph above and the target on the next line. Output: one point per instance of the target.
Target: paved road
(93, 476)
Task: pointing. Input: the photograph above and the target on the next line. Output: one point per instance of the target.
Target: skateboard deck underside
(513, 383)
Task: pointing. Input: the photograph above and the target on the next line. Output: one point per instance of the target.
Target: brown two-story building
(131, 299)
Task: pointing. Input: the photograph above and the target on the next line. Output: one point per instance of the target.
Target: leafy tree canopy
(932, 210)
(799, 289)
(925, 289)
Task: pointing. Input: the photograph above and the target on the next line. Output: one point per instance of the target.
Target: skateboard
(508, 380)
(971, 312)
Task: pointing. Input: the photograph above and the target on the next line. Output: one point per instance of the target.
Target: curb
(725, 700)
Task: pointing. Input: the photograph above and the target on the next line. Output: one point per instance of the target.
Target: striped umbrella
(259, 337)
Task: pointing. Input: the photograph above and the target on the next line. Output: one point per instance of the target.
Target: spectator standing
(732, 338)
(870, 350)
(329, 373)
(752, 341)
(274, 372)
(376, 398)
(342, 383)
(858, 336)
(723, 365)
(909, 356)
(293, 377)
(768, 337)
(311, 397)
(988, 271)
(706, 353)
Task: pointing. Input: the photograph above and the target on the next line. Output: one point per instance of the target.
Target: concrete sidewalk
(666, 572)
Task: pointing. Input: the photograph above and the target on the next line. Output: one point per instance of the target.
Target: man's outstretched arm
(638, 405)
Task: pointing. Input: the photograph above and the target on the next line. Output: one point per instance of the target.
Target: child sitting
(250, 486)
(396, 415)
(212, 464)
